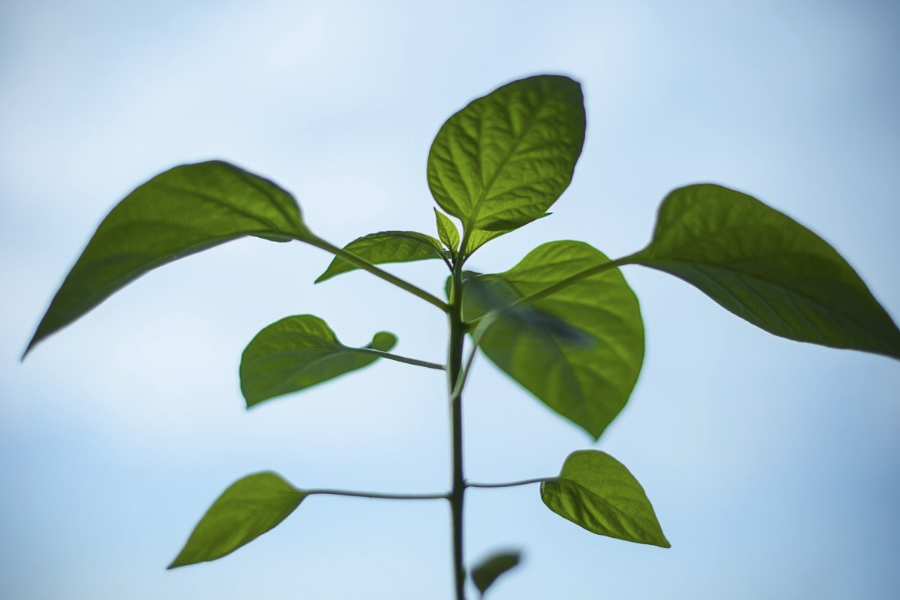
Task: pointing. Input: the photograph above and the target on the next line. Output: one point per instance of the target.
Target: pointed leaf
(578, 350)
(298, 352)
(447, 231)
(501, 161)
(479, 237)
(487, 571)
(768, 269)
(386, 247)
(250, 507)
(597, 492)
(182, 211)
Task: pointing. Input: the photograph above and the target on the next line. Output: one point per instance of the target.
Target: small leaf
(501, 161)
(487, 571)
(768, 269)
(447, 231)
(597, 492)
(578, 350)
(299, 352)
(386, 247)
(250, 507)
(177, 213)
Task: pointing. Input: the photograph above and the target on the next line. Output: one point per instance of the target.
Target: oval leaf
(447, 231)
(500, 162)
(386, 247)
(768, 269)
(298, 352)
(579, 350)
(597, 492)
(487, 571)
(182, 211)
(250, 507)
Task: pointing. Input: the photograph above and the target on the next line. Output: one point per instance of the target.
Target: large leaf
(501, 161)
(597, 492)
(487, 571)
(298, 352)
(386, 247)
(182, 211)
(578, 350)
(768, 269)
(250, 507)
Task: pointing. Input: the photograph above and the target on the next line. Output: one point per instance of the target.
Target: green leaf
(597, 492)
(487, 571)
(578, 350)
(479, 238)
(386, 247)
(177, 213)
(501, 161)
(768, 269)
(250, 507)
(447, 231)
(298, 352)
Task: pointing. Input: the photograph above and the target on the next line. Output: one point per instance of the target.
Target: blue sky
(774, 466)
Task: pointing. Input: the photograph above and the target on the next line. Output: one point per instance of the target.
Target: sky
(773, 466)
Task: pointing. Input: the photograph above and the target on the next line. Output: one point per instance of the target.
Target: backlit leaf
(298, 352)
(501, 161)
(768, 269)
(578, 350)
(447, 231)
(487, 571)
(177, 213)
(250, 507)
(386, 247)
(597, 492)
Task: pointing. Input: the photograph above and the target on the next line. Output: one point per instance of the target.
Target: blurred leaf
(447, 231)
(486, 572)
(578, 350)
(501, 161)
(768, 269)
(597, 492)
(250, 507)
(177, 213)
(298, 352)
(386, 247)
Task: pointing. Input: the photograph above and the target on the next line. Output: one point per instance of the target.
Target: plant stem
(403, 359)
(377, 495)
(367, 266)
(512, 483)
(454, 371)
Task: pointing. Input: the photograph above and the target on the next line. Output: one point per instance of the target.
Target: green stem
(367, 266)
(403, 359)
(511, 484)
(377, 495)
(454, 371)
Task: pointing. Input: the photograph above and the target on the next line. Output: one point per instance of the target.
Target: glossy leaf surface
(597, 492)
(578, 350)
(298, 352)
(386, 247)
(768, 269)
(250, 507)
(501, 161)
(486, 572)
(177, 213)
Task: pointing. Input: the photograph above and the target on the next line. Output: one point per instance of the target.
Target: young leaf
(501, 161)
(578, 350)
(447, 231)
(250, 507)
(487, 571)
(597, 492)
(177, 213)
(386, 247)
(298, 352)
(768, 269)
